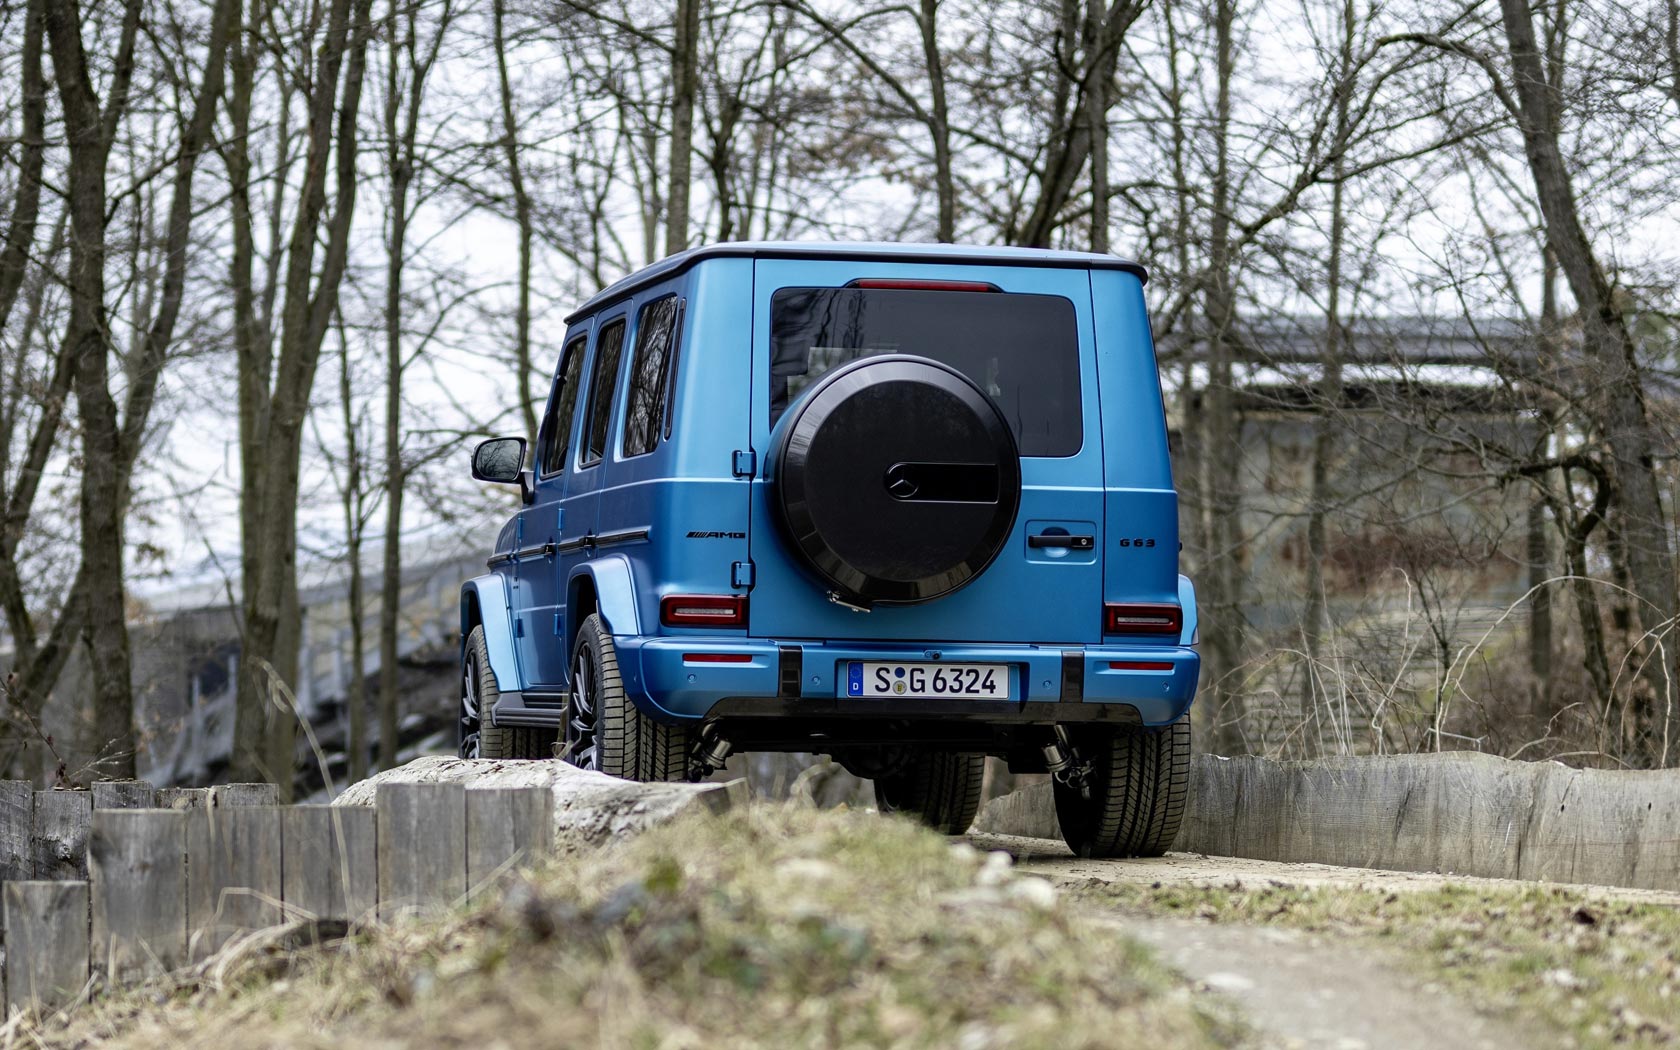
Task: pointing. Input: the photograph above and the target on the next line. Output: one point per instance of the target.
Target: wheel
(665, 751)
(601, 726)
(480, 736)
(939, 788)
(1139, 783)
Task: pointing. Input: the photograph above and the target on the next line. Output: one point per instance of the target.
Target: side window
(557, 428)
(655, 331)
(603, 382)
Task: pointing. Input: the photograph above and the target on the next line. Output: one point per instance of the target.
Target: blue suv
(905, 505)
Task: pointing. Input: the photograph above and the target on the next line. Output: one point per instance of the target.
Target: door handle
(1062, 539)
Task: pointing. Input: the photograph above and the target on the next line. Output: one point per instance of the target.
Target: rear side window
(557, 428)
(656, 329)
(609, 347)
(1021, 349)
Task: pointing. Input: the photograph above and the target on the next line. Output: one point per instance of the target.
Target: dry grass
(772, 927)
(1608, 973)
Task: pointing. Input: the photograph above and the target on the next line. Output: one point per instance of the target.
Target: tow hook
(1065, 764)
(709, 756)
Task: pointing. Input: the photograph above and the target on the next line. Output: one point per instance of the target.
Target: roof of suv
(880, 250)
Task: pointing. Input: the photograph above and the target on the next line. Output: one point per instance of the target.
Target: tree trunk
(523, 219)
(1096, 121)
(355, 698)
(88, 133)
(1315, 621)
(685, 61)
(1607, 340)
(1070, 143)
(1222, 431)
(402, 160)
(32, 131)
(268, 660)
(939, 125)
(398, 161)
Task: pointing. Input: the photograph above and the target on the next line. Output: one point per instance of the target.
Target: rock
(1027, 812)
(590, 809)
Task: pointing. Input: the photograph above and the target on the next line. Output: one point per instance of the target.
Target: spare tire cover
(896, 479)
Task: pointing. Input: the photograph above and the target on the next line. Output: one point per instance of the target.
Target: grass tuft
(767, 927)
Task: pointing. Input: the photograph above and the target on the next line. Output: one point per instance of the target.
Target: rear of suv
(905, 505)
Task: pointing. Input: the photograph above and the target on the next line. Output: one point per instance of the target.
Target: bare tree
(111, 440)
(522, 216)
(685, 75)
(411, 59)
(275, 395)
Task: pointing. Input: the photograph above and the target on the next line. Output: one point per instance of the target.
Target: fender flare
(1189, 633)
(489, 594)
(615, 593)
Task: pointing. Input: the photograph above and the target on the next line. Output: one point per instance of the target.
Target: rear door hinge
(742, 574)
(746, 463)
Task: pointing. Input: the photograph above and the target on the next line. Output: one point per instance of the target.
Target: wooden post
(17, 826)
(329, 862)
(233, 875)
(182, 798)
(137, 863)
(422, 846)
(123, 794)
(244, 795)
(60, 839)
(506, 827)
(47, 942)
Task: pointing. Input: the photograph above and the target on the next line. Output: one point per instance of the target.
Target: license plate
(968, 681)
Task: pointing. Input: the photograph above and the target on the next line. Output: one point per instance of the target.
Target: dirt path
(1312, 993)
(1301, 990)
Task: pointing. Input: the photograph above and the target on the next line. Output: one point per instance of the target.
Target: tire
(600, 727)
(665, 751)
(479, 694)
(939, 788)
(895, 480)
(1140, 781)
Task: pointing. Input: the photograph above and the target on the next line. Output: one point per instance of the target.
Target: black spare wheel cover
(897, 480)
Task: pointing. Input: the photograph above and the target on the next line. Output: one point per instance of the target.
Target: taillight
(905, 284)
(703, 610)
(1142, 618)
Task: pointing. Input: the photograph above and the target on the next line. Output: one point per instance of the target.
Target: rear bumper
(1047, 683)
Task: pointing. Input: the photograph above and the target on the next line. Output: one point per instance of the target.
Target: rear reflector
(924, 286)
(1142, 618)
(719, 658)
(703, 610)
(1139, 665)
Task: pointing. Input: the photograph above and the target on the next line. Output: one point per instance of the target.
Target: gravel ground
(1304, 989)
(1052, 859)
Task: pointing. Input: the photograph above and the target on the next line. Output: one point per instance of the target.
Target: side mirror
(499, 460)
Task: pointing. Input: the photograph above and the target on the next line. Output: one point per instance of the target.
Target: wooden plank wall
(329, 862)
(422, 846)
(125, 882)
(47, 935)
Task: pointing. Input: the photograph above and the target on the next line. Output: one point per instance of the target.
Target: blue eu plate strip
(854, 678)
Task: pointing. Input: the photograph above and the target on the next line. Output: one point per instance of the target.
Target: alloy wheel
(471, 719)
(580, 714)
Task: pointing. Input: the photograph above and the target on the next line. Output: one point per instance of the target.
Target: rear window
(608, 348)
(1022, 350)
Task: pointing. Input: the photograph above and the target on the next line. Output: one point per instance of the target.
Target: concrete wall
(1460, 812)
